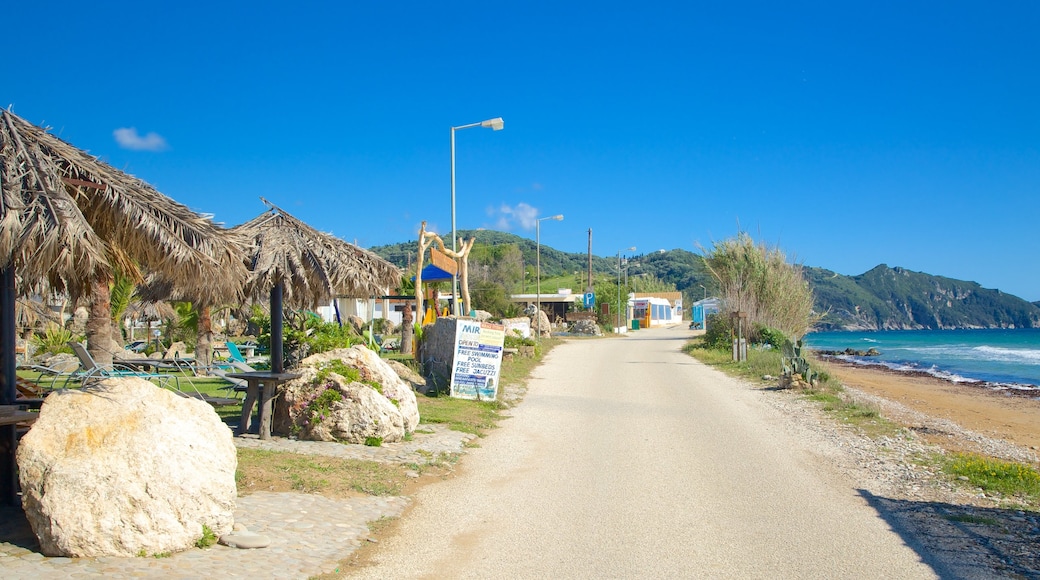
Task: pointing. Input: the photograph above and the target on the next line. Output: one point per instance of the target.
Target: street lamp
(495, 124)
(538, 270)
(705, 291)
(632, 249)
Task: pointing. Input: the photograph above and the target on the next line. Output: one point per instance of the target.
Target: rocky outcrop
(586, 327)
(543, 328)
(124, 468)
(325, 404)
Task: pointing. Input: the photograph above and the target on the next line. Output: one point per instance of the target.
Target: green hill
(895, 298)
(883, 298)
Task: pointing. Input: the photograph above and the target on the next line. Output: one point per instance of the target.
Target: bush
(719, 333)
(771, 336)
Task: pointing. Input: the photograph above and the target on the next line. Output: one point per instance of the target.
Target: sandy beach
(995, 414)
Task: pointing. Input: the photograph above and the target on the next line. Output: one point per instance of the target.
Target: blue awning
(431, 273)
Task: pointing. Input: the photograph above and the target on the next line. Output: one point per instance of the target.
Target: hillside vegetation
(883, 298)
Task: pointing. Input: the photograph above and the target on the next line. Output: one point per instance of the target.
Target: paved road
(629, 459)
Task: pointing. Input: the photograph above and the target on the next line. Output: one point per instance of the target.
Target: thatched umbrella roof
(158, 310)
(295, 262)
(67, 218)
(313, 266)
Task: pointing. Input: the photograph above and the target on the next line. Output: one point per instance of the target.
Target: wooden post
(252, 392)
(8, 390)
(266, 392)
(277, 344)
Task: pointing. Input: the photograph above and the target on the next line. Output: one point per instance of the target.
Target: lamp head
(495, 124)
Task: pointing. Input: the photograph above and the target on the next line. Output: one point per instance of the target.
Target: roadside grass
(828, 392)
(1015, 481)
(478, 417)
(260, 470)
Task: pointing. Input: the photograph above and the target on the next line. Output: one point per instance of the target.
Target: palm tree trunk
(204, 340)
(99, 323)
(407, 332)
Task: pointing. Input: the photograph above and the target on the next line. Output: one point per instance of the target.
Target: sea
(1005, 359)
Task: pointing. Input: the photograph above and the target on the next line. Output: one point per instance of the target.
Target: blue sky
(849, 134)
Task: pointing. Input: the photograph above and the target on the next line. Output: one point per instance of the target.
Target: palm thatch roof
(67, 218)
(313, 266)
(157, 310)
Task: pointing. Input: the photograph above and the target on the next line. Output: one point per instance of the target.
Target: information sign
(478, 359)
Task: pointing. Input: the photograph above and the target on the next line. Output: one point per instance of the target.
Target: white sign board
(478, 360)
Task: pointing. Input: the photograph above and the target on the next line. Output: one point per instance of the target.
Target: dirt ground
(996, 414)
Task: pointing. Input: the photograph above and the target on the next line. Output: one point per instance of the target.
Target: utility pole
(589, 287)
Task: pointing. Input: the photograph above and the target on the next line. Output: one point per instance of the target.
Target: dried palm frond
(313, 266)
(66, 218)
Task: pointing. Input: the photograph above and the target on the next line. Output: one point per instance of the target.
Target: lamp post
(632, 249)
(495, 124)
(705, 291)
(538, 271)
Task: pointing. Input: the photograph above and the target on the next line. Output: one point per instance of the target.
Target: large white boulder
(374, 403)
(328, 407)
(373, 368)
(124, 468)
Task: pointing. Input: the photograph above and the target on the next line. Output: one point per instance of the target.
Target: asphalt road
(629, 459)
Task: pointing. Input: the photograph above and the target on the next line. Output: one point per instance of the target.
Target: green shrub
(719, 333)
(374, 441)
(55, 339)
(771, 336)
(208, 538)
(516, 341)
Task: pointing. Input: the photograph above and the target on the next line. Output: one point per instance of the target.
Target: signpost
(478, 359)
(589, 300)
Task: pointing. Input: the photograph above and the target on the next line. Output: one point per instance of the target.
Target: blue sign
(589, 299)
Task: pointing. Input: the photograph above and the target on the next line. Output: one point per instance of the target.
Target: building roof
(671, 297)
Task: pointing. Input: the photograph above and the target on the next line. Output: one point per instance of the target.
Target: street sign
(589, 300)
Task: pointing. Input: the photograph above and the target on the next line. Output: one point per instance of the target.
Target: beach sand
(995, 414)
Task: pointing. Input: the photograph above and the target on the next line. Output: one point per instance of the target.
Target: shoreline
(1025, 390)
(1006, 414)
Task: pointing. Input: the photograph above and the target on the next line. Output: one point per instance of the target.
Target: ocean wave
(1016, 355)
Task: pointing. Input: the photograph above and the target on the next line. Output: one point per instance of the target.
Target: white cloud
(128, 138)
(522, 214)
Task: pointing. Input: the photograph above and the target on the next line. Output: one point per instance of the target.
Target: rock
(356, 412)
(177, 350)
(62, 362)
(357, 323)
(408, 375)
(517, 326)
(587, 327)
(245, 540)
(544, 328)
(482, 315)
(124, 468)
(359, 412)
